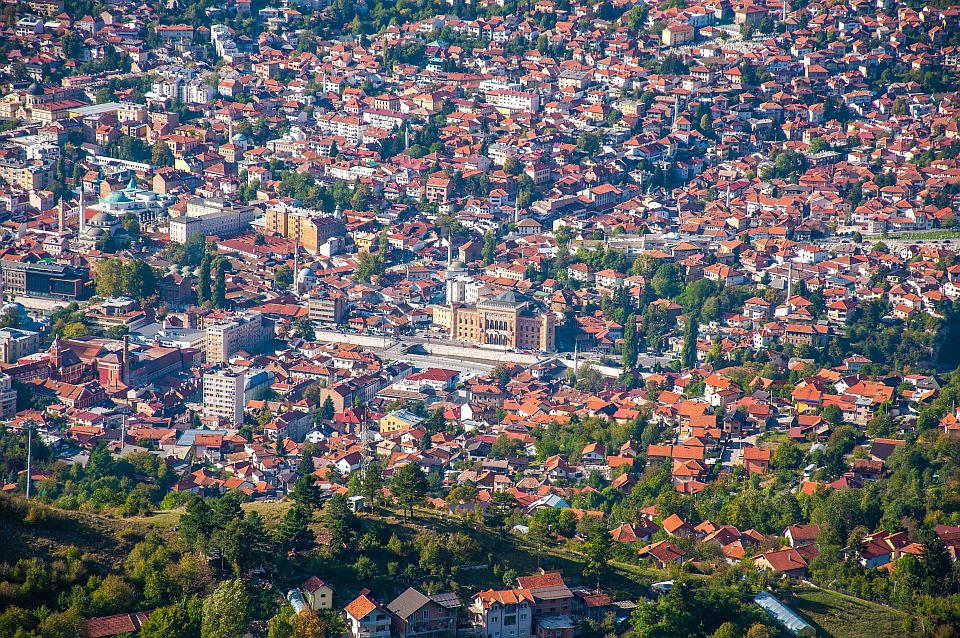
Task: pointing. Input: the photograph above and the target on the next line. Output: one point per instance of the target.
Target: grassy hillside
(45, 533)
(839, 615)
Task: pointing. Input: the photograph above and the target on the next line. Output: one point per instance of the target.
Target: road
(470, 360)
(443, 353)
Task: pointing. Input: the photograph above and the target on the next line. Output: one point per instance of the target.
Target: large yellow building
(503, 320)
(312, 231)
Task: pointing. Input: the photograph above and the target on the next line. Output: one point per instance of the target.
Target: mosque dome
(103, 219)
(116, 197)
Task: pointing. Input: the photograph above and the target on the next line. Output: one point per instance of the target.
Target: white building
(226, 391)
(244, 331)
(223, 394)
(212, 216)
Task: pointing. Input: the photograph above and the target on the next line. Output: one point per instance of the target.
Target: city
(485, 319)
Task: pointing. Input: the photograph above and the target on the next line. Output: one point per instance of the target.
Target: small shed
(355, 503)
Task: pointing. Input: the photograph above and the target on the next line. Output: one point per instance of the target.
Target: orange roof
(361, 606)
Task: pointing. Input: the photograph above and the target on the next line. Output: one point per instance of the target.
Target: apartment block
(245, 331)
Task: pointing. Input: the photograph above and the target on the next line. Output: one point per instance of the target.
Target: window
(426, 614)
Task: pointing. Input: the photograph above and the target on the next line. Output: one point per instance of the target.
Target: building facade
(328, 308)
(311, 230)
(40, 279)
(15, 344)
(223, 394)
(212, 217)
(503, 320)
(246, 331)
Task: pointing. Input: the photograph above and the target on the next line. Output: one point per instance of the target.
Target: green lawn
(841, 616)
(924, 235)
(271, 511)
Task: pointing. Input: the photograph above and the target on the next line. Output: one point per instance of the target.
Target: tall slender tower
(789, 288)
(81, 213)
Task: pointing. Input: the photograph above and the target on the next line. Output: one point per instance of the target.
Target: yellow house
(317, 593)
(398, 421)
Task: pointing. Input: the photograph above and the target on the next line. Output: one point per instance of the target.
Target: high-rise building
(328, 307)
(223, 394)
(8, 397)
(243, 331)
(226, 391)
(309, 227)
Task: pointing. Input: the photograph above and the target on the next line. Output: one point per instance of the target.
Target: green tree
(328, 410)
(111, 596)
(788, 456)
(489, 247)
(589, 141)
(169, 622)
(688, 355)
(303, 328)
(727, 630)
(283, 277)
(832, 414)
(161, 155)
(139, 279)
(666, 282)
(409, 485)
(224, 611)
(293, 533)
(281, 624)
(511, 166)
(589, 378)
(631, 343)
(196, 523)
(245, 542)
(502, 505)
(505, 447)
(339, 521)
(372, 482)
(219, 297)
(108, 278)
(203, 286)
(596, 550)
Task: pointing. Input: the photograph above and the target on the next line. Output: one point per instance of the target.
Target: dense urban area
(479, 318)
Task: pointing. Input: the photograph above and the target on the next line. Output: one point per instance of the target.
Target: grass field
(926, 235)
(271, 511)
(838, 615)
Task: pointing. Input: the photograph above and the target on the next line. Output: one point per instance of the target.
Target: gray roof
(408, 603)
(447, 599)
